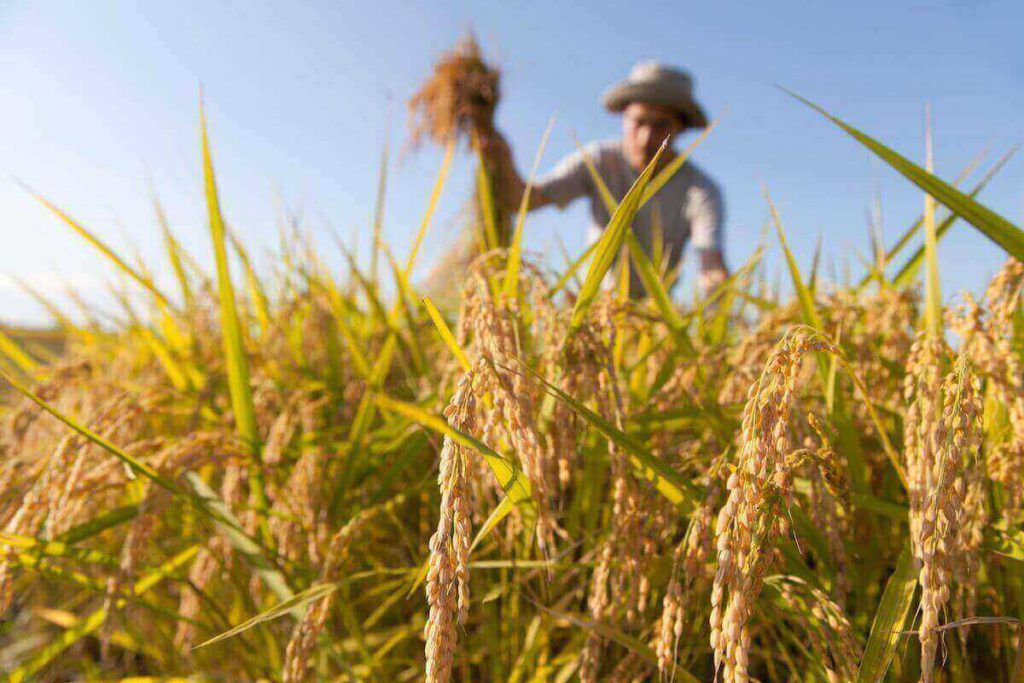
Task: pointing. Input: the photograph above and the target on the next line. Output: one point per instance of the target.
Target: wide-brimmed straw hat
(655, 83)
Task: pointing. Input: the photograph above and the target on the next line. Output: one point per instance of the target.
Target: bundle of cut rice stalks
(459, 97)
(458, 102)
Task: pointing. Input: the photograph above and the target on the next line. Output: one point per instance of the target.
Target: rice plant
(288, 475)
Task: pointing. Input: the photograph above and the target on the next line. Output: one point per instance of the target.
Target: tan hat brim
(618, 97)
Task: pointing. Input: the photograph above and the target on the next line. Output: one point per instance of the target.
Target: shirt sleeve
(706, 213)
(567, 181)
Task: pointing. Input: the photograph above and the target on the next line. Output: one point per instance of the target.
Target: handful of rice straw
(460, 96)
(455, 102)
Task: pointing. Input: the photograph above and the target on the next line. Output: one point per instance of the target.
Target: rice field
(289, 476)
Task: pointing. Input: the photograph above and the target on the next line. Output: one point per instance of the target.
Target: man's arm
(707, 224)
(498, 156)
(568, 180)
(713, 270)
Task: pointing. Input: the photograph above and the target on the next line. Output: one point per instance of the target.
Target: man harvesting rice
(655, 101)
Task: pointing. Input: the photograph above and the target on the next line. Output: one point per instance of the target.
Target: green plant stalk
(234, 350)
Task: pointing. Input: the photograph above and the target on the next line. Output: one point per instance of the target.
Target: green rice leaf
(446, 334)
(572, 269)
(103, 248)
(90, 624)
(245, 546)
(889, 619)
(55, 647)
(933, 291)
(989, 223)
(134, 464)
(403, 301)
(515, 252)
(803, 294)
(17, 355)
(905, 238)
(611, 204)
(511, 479)
(43, 548)
(378, 210)
(231, 331)
(97, 525)
(669, 483)
(656, 289)
(812, 283)
(611, 241)
(174, 254)
(257, 295)
(499, 513)
(234, 351)
(292, 605)
(671, 168)
(485, 197)
(435, 195)
(908, 271)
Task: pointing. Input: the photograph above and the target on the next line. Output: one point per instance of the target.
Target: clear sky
(99, 99)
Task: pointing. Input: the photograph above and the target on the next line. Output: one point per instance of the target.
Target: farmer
(655, 101)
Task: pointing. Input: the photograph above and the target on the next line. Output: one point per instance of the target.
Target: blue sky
(99, 99)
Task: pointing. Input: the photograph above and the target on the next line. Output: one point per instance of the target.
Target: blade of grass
(134, 464)
(648, 272)
(404, 302)
(572, 269)
(365, 414)
(812, 283)
(499, 513)
(611, 204)
(803, 294)
(60, 318)
(655, 288)
(99, 524)
(219, 514)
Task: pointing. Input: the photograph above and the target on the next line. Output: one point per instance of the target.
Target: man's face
(644, 128)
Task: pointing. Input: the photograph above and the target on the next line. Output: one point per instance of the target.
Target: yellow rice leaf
(446, 334)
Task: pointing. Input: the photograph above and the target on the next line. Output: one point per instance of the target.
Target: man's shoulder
(697, 183)
(604, 151)
(695, 174)
(607, 146)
